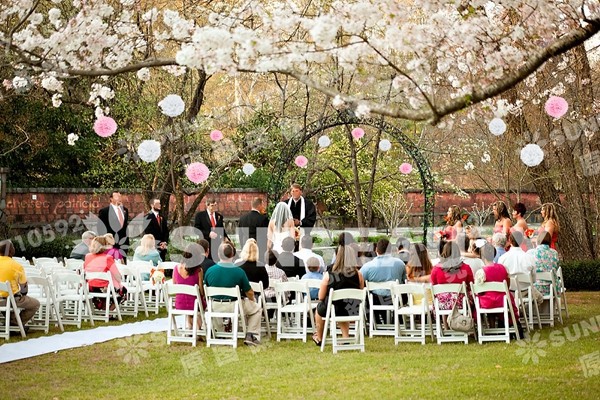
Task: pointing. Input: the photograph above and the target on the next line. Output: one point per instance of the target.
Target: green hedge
(581, 275)
(59, 246)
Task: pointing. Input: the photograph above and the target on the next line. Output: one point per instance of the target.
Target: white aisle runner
(69, 340)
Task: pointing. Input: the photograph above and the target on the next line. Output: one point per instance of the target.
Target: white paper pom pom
(172, 105)
(149, 150)
(497, 126)
(248, 169)
(532, 155)
(324, 141)
(385, 145)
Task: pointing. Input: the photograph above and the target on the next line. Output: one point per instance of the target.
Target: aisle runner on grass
(69, 340)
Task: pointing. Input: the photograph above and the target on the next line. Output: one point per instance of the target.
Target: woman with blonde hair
(98, 260)
(550, 224)
(249, 262)
(146, 251)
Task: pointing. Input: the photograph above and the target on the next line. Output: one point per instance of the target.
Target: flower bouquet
(157, 276)
(529, 233)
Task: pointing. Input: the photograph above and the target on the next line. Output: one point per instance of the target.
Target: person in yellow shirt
(13, 272)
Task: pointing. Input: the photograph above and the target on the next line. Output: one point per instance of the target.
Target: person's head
(147, 243)
(548, 212)
(545, 238)
(382, 246)
(306, 242)
(193, 255)
(226, 251)
(110, 239)
(250, 250)
(403, 244)
(270, 257)
(450, 251)
(419, 260)
(499, 239)
(296, 191)
(453, 215)
(258, 204)
(87, 236)
(346, 261)
(99, 244)
(155, 205)
(500, 210)
(477, 245)
(345, 238)
(281, 214)
(7, 249)
(115, 198)
(487, 252)
(205, 245)
(515, 238)
(313, 264)
(211, 204)
(288, 244)
(519, 210)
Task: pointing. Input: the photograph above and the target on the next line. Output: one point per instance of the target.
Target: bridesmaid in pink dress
(454, 224)
(503, 222)
(550, 223)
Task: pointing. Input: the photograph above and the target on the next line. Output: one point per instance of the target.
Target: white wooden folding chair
(49, 267)
(182, 333)
(552, 298)
(135, 291)
(386, 328)
(562, 293)
(486, 333)
(72, 298)
(74, 264)
(107, 295)
(23, 261)
(355, 299)
(216, 299)
(37, 261)
(8, 305)
(292, 318)
(442, 333)
(151, 290)
(42, 290)
(522, 285)
(259, 296)
(406, 327)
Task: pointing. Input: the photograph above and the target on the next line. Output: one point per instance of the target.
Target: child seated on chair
(313, 273)
(189, 272)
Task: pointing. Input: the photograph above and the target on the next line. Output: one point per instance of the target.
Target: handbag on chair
(459, 322)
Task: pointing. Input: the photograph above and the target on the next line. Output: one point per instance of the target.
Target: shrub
(581, 275)
(60, 246)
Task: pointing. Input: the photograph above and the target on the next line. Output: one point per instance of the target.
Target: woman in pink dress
(189, 272)
(454, 225)
(503, 222)
(451, 269)
(98, 260)
(550, 223)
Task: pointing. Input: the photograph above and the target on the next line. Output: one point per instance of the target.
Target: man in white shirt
(305, 252)
(515, 260)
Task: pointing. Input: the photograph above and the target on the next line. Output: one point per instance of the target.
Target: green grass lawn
(560, 362)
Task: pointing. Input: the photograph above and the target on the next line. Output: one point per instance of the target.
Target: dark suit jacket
(159, 231)
(250, 222)
(310, 213)
(202, 223)
(290, 264)
(110, 224)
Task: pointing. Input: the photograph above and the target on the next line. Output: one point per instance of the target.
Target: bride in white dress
(280, 226)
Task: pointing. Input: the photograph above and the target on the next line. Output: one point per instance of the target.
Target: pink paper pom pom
(105, 126)
(197, 172)
(216, 135)
(301, 161)
(406, 168)
(556, 107)
(357, 133)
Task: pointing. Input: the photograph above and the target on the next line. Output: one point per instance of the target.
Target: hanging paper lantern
(216, 135)
(497, 126)
(357, 133)
(197, 172)
(385, 145)
(301, 161)
(556, 106)
(532, 155)
(324, 141)
(149, 150)
(248, 169)
(105, 126)
(406, 168)
(172, 105)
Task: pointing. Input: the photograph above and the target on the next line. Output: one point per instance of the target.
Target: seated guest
(146, 251)
(207, 262)
(516, 260)
(418, 269)
(451, 269)
(83, 248)
(98, 260)
(288, 262)
(275, 274)
(499, 243)
(344, 238)
(313, 265)
(189, 272)
(472, 256)
(110, 247)
(546, 260)
(13, 273)
(344, 275)
(403, 246)
(248, 261)
(305, 252)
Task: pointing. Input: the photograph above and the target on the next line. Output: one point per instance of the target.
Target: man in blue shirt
(383, 268)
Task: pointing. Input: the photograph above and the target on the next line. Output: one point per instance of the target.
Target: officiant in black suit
(156, 225)
(251, 223)
(210, 223)
(303, 210)
(114, 220)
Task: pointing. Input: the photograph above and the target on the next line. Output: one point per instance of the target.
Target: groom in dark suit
(251, 223)
(114, 219)
(210, 223)
(156, 225)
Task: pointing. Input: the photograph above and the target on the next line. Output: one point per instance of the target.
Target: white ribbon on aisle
(69, 340)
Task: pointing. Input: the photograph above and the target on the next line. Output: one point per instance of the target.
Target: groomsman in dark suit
(156, 225)
(251, 223)
(114, 219)
(210, 223)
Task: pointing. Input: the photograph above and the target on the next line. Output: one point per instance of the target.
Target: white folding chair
(38, 260)
(41, 289)
(151, 290)
(135, 291)
(259, 296)
(406, 328)
(23, 261)
(562, 293)
(222, 303)
(72, 298)
(355, 300)
(386, 328)
(74, 264)
(184, 334)
(292, 318)
(107, 295)
(444, 334)
(486, 333)
(49, 267)
(9, 306)
(552, 299)
(522, 285)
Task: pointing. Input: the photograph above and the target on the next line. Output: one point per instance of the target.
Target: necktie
(213, 223)
(159, 221)
(120, 216)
